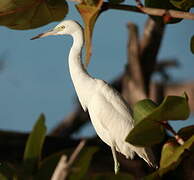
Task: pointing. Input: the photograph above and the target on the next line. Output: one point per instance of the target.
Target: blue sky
(36, 77)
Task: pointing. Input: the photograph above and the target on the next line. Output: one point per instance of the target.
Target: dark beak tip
(33, 38)
(36, 37)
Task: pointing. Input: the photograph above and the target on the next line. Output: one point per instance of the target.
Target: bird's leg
(116, 163)
(113, 149)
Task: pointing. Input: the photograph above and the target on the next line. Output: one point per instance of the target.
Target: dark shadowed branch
(149, 47)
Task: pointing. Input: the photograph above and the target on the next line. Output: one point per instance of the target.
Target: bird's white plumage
(109, 113)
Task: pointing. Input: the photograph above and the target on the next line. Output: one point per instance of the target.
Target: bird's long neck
(81, 79)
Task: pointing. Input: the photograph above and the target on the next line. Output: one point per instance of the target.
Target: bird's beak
(48, 33)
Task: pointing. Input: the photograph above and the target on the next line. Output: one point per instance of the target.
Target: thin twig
(150, 11)
(77, 1)
(139, 3)
(76, 152)
(169, 128)
(62, 170)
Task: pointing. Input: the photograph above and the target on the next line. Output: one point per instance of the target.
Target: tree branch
(133, 82)
(134, 64)
(62, 170)
(149, 47)
(149, 11)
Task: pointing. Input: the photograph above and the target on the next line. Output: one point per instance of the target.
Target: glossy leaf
(183, 4)
(172, 155)
(89, 14)
(22, 14)
(34, 144)
(146, 133)
(148, 130)
(81, 165)
(186, 132)
(192, 44)
(172, 108)
(142, 109)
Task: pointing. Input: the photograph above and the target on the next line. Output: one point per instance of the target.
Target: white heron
(109, 113)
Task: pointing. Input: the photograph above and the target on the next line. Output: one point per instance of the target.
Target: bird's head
(67, 27)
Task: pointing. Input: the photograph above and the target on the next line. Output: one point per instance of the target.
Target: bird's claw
(117, 167)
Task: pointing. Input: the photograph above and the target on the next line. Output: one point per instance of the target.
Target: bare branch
(134, 65)
(76, 152)
(62, 170)
(149, 47)
(149, 11)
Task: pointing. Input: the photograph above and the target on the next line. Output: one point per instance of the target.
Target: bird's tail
(148, 156)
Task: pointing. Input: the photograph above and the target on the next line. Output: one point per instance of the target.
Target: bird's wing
(117, 114)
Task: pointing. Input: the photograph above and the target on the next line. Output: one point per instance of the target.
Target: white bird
(109, 113)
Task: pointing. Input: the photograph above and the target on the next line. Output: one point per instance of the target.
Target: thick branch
(133, 82)
(134, 65)
(150, 11)
(149, 47)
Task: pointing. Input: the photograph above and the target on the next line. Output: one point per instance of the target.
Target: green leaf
(172, 155)
(172, 108)
(22, 14)
(148, 129)
(34, 145)
(183, 4)
(186, 132)
(192, 44)
(146, 133)
(142, 109)
(81, 165)
(89, 14)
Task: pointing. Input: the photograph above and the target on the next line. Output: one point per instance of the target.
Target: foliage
(146, 113)
(31, 14)
(36, 168)
(150, 118)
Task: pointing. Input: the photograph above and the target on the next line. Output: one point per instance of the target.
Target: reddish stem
(169, 128)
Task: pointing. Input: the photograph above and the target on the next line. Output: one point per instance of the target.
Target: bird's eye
(62, 27)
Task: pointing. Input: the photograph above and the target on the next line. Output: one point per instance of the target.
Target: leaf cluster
(148, 131)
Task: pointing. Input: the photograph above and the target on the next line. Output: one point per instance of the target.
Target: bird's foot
(117, 167)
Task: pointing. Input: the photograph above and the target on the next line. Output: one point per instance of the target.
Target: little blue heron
(109, 113)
